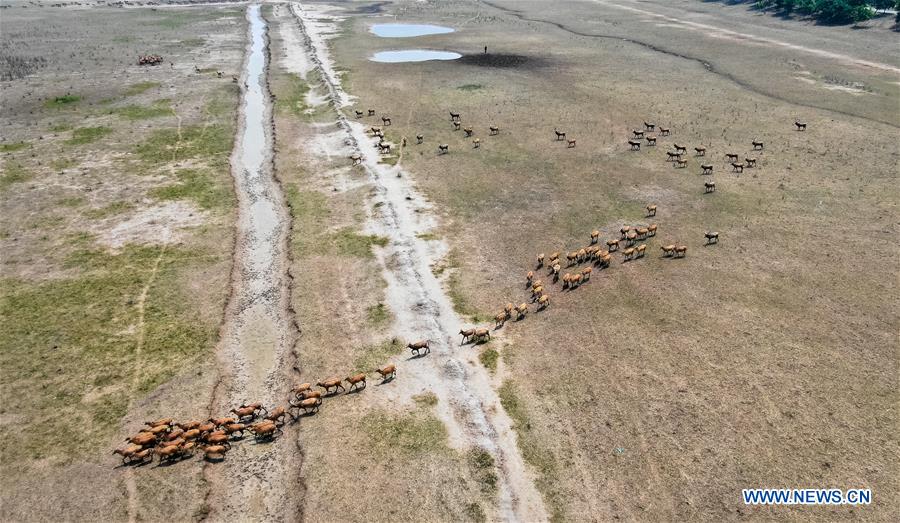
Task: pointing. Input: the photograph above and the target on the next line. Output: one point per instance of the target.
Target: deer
(603, 259)
(387, 372)
(466, 335)
(543, 302)
(709, 187)
(384, 147)
(649, 126)
(386, 120)
(664, 131)
(331, 383)
(651, 210)
(680, 163)
(244, 413)
(711, 237)
(277, 415)
(359, 114)
(668, 250)
(586, 273)
(357, 382)
(160, 422)
(419, 138)
(651, 229)
(422, 345)
(309, 405)
(637, 133)
(540, 261)
(801, 126)
(494, 130)
(454, 116)
(264, 430)
(642, 232)
(214, 452)
(701, 151)
(635, 145)
(371, 112)
(671, 156)
(456, 126)
(521, 311)
(731, 157)
(757, 145)
(679, 148)
(235, 430)
(681, 251)
(707, 169)
(476, 143)
(356, 158)
(595, 236)
(500, 320)
(751, 162)
(482, 335)
(536, 293)
(571, 258)
(559, 134)
(443, 148)
(575, 280)
(626, 228)
(630, 238)
(570, 142)
(639, 250)
(468, 131)
(737, 167)
(612, 244)
(651, 140)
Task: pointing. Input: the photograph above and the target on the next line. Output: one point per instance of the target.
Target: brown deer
(709, 187)
(757, 145)
(331, 383)
(681, 163)
(570, 142)
(359, 114)
(357, 381)
(371, 112)
(637, 133)
(443, 148)
(679, 148)
(664, 131)
(420, 138)
(651, 210)
(801, 126)
(737, 167)
(711, 237)
(681, 251)
(612, 244)
(454, 116)
(468, 131)
(559, 134)
(649, 126)
(387, 372)
(635, 145)
(701, 151)
(595, 236)
(422, 345)
(651, 140)
(751, 162)
(494, 130)
(668, 250)
(386, 120)
(707, 169)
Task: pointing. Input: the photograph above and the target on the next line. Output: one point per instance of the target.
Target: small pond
(408, 30)
(413, 55)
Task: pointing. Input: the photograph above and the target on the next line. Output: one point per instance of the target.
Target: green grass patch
(409, 434)
(13, 173)
(426, 399)
(69, 349)
(489, 358)
(482, 464)
(460, 301)
(470, 87)
(427, 236)
(62, 101)
(85, 135)
(475, 512)
(144, 112)
(140, 87)
(198, 186)
(374, 356)
(532, 450)
(378, 314)
(74, 201)
(10, 147)
(60, 164)
(61, 127)
(192, 42)
(109, 210)
(290, 94)
(349, 243)
(168, 145)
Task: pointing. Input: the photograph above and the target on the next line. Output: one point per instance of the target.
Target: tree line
(833, 11)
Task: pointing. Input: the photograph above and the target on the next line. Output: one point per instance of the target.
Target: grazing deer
(559, 134)
(709, 187)
(635, 145)
(681, 163)
(649, 126)
(454, 116)
(651, 210)
(468, 131)
(651, 140)
(603, 260)
(664, 131)
(494, 130)
(680, 149)
(707, 169)
(384, 147)
(737, 167)
(630, 238)
(801, 126)
(419, 346)
(757, 145)
(586, 273)
(420, 138)
(359, 114)
(386, 120)
(387, 372)
(642, 232)
(443, 148)
(571, 258)
(711, 237)
(571, 143)
(701, 151)
(751, 162)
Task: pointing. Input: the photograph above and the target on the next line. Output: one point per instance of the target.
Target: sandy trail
(467, 403)
(258, 335)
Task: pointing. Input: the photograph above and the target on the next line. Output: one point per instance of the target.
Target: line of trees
(833, 11)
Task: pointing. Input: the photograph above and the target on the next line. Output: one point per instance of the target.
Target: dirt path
(255, 353)
(467, 403)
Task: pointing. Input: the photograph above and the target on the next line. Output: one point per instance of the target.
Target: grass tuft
(10, 147)
(378, 314)
(373, 356)
(489, 358)
(109, 210)
(62, 101)
(144, 112)
(85, 135)
(198, 186)
(138, 88)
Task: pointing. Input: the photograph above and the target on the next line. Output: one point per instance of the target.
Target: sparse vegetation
(212, 142)
(470, 87)
(140, 87)
(11, 147)
(412, 433)
(292, 94)
(109, 210)
(371, 356)
(488, 358)
(143, 112)
(199, 186)
(378, 314)
(62, 101)
(13, 173)
(85, 135)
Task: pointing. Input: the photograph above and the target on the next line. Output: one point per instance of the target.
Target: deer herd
(175, 441)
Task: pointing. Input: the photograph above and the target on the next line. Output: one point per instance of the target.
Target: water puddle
(408, 30)
(413, 55)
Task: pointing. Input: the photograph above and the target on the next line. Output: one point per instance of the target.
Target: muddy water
(258, 332)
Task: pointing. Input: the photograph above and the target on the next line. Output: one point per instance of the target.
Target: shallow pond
(408, 30)
(413, 55)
